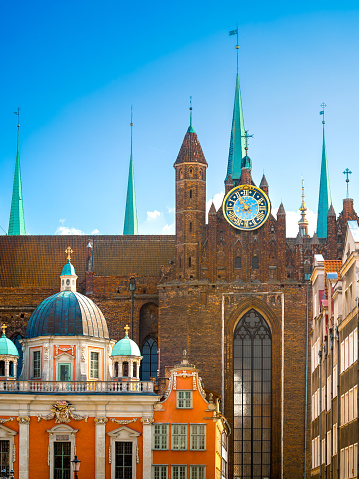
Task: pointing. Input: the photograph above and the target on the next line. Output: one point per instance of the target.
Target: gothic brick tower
(190, 169)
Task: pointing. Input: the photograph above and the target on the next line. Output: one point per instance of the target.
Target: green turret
(325, 199)
(17, 217)
(130, 224)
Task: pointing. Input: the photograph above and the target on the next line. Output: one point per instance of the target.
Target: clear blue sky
(75, 68)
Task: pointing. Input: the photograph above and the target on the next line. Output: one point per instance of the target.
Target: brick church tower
(190, 169)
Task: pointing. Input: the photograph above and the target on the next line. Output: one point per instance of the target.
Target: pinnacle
(264, 182)
(229, 180)
(212, 210)
(331, 211)
(281, 210)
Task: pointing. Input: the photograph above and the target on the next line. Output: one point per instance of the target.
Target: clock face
(246, 207)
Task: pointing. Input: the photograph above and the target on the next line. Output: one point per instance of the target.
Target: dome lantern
(8, 357)
(68, 275)
(126, 359)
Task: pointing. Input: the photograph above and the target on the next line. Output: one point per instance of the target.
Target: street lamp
(75, 466)
(132, 289)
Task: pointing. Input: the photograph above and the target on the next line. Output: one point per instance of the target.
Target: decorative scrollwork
(63, 412)
(23, 419)
(100, 420)
(147, 420)
(123, 421)
(3, 421)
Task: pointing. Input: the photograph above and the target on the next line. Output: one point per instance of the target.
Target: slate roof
(37, 261)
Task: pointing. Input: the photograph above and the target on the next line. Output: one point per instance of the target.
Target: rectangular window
(198, 472)
(355, 400)
(351, 405)
(351, 349)
(160, 436)
(179, 472)
(123, 459)
(342, 356)
(342, 464)
(346, 407)
(342, 415)
(355, 461)
(198, 437)
(4, 455)
(329, 452)
(179, 437)
(351, 461)
(36, 364)
(335, 439)
(323, 399)
(335, 384)
(184, 399)
(159, 472)
(346, 462)
(62, 459)
(346, 353)
(355, 346)
(94, 363)
(323, 451)
(329, 397)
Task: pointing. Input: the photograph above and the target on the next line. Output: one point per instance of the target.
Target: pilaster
(24, 422)
(100, 447)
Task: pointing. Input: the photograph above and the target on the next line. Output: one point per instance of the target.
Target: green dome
(68, 270)
(126, 347)
(7, 347)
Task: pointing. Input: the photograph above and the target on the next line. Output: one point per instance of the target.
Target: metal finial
(246, 136)
(323, 105)
(190, 111)
(68, 251)
(3, 327)
(17, 112)
(126, 328)
(347, 172)
(131, 124)
(235, 32)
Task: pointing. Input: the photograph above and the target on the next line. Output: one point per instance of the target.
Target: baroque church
(232, 291)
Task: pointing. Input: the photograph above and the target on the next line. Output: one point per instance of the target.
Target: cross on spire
(3, 327)
(347, 172)
(323, 105)
(68, 251)
(190, 111)
(126, 328)
(246, 136)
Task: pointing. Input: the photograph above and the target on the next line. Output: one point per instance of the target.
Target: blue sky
(75, 68)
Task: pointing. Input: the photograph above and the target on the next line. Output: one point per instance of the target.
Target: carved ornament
(3, 421)
(63, 412)
(147, 420)
(100, 420)
(123, 421)
(23, 419)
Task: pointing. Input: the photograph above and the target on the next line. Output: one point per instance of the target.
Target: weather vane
(235, 32)
(68, 251)
(347, 172)
(323, 105)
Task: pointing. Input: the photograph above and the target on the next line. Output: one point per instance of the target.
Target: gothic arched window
(252, 399)
(149, 364)
(238, 262)
(255, 262)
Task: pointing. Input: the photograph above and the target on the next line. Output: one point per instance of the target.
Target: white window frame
(54, 434)
(173, 473)
(192, 426)
(163, 467)
(98, 378)
(184, 392)
(32, 366)
(193, 466)
(165, 434)
(185, 435)
(123, 434)
(7, 434)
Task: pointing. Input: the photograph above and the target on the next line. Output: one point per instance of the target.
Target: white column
(7, 361)
(23, 452)
(100, 447)
(147, 447)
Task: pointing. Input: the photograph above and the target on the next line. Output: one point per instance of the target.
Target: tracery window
(252, 368)
(149, 364)
(238, 262)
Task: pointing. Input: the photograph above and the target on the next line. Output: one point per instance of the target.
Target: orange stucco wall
(197, 415)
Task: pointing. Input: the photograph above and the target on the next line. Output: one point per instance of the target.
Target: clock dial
(246, 207)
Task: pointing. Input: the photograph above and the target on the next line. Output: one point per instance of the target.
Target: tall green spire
(237, 144)
(17, 217)
(325, 199)
(130, 224)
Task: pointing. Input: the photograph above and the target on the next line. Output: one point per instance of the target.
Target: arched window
(2, 368)
(125, 369)
(11, 369)
(116, 370)
(16, 340)
(255, 262)
(238, 262)
(252, 401)
(149, 364)
(134, 370)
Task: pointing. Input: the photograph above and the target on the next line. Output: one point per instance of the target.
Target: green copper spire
(190, 128)
(17, 217)
(130, 225)
(325, 199)
(237, 144)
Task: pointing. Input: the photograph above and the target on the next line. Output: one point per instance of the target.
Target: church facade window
(252, 369)
(149, 364)
(255, 262)
(238, 262)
